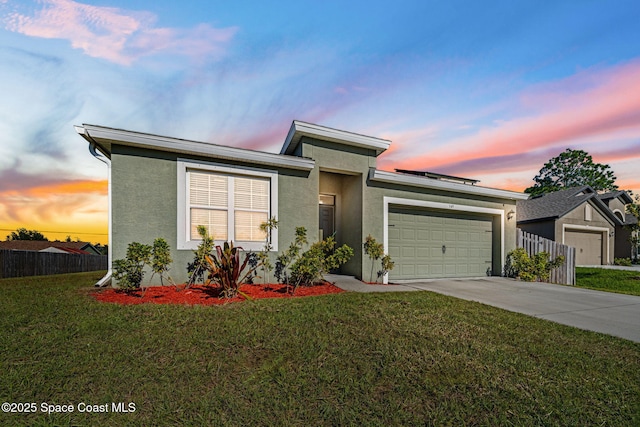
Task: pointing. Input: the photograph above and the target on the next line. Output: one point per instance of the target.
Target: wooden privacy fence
(32, 263)
(566, 273)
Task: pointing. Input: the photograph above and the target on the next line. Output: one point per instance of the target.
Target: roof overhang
(300, 129)
(104, 138)
(435, 184)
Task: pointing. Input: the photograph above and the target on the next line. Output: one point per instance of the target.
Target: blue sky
(486, 90)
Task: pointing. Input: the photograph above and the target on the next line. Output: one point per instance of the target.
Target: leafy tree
(24, 234)
(571, 169)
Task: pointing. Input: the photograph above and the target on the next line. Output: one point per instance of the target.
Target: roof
(83, 248)
(434, 175)
(438, 184)
(300, 129)
(104, 138)
(559, 203)
(622, 195)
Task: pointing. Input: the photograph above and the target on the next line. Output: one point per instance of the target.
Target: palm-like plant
(227, 271)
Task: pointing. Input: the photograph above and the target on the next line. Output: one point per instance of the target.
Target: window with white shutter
(230, 202)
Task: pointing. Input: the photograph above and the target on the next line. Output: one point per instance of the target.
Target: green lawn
(621, 281)
(413, 358)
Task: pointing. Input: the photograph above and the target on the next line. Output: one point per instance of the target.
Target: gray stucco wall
(144, 204)
(144, 201)
(546, 229)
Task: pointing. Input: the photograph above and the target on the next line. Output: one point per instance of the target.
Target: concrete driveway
(609, 313)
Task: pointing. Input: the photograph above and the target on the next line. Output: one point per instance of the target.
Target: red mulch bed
(204, 295)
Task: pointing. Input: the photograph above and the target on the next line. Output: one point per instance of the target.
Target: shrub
(160, 260)
(387, 266)
(287, 257)
(263, 256)
(308, 267)
(227, 271)
(129, 271)
(197, 268)
(537, 268)
(375, 251)
(622, 261)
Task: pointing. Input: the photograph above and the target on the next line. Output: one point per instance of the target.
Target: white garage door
(588, 246)
(433, 244)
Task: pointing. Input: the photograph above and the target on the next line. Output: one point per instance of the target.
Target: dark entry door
(326, 220)
(327, 215)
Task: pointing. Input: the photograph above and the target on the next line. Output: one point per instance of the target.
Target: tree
(571, 169)
(24, 234)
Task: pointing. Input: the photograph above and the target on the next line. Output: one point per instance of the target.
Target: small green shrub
(263, 256)
(160, 260)
(287, 257)
(537, 268)
(198, 267)
(129, 271)
(387, 266)
(375, 251)
(622, 261)
(296, 268)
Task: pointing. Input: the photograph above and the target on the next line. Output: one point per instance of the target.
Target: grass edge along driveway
(346, 359)
(610, 280)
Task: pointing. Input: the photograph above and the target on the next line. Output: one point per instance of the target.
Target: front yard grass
(415, 358)
(601, 279)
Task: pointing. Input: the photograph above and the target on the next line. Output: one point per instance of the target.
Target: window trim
(183, 222)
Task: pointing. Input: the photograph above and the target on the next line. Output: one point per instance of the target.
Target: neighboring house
(581, 218)
(82, 248)
(617, 202)
(323, 179)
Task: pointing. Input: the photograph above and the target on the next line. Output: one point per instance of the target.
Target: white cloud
(117, 35)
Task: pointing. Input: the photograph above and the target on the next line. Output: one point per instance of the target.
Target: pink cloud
(588, 107)
(117, 35)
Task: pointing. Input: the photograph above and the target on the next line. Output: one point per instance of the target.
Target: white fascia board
(435, 184)
(299, 129)
(142, 140)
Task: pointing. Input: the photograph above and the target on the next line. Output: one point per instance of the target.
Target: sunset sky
(481, 89)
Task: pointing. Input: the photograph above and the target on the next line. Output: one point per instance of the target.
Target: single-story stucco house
(580, 217)
(323, 179)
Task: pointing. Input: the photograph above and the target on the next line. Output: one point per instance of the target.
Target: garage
(433, 244)
(588, 246)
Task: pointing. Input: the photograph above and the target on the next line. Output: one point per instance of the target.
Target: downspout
(106, 279)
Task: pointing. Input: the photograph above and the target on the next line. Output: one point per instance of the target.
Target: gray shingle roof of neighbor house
(559, 203)
(626, 198)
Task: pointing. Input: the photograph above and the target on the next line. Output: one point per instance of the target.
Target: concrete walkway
(606, 312)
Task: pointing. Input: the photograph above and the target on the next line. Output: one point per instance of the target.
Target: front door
(327, 215)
